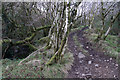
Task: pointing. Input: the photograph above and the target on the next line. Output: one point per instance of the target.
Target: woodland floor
(95, 65)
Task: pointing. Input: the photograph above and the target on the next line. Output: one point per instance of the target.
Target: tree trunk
(64, 18)
(112, 21)
(59, 43)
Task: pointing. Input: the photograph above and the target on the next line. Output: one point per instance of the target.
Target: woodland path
(95, 65)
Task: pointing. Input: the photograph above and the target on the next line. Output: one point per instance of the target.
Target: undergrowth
(31, 69)
(108, 46)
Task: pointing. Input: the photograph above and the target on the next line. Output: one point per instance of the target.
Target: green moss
(57, 70)
(78, 28)
(0, 42)
(112, 41)
(109, 46)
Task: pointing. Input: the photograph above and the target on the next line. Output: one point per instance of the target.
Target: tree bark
(112, 21)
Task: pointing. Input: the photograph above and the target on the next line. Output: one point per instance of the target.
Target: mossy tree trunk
(104, 13)
(103, 25)
(60, 30)
(111, 24)
(64, 18)
(27, 41)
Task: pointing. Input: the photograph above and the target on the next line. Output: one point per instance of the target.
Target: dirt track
(96, 65)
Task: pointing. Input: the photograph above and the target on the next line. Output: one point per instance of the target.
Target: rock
(76, 54)
(86, 68)
(116, 65)
(83, 75)
(106, 66)
(34, 62)
(91, 55)
(114, 75)
(9, 67)
(89, 62)
(96, 65)
(105, 60)
(80, 61)
(110, 58)
(99, 59)
(92, 58)
(80, 55)
(88, 76)
(77, 73)
(87, 47)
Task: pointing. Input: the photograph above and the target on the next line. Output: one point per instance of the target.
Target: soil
(95, 65)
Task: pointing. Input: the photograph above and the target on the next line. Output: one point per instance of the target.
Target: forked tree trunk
(111, 24)
(102, 35)
(64, 18)
(63, 28)
(60, 32)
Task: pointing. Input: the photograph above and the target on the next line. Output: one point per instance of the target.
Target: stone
(92, 58)
(88, 76)
(77, 73)
(96, 65)
(87, 47)
(80, 55)
(106, 66)
(114, 75)
(83, 75)
(99, 59)
(80, 61)
(89, 62)
(116, 65)
(34, 62)
(110, 58)
(86, 68)
(105, 60)
(9, 67)
(91, 55)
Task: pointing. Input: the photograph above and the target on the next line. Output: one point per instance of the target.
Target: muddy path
(95, 65)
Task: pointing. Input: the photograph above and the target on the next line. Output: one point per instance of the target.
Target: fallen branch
(28, 39)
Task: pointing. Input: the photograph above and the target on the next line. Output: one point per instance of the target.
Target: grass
(0, 70)
(56, 70)
(108, 46)
(0, 42)
(112, 41)
(78, 28)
